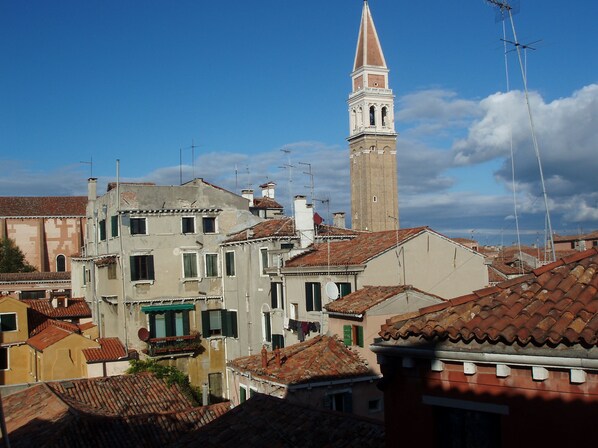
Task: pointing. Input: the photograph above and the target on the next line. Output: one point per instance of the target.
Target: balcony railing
(173, 344)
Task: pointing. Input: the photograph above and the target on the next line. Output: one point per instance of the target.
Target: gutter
(488, 358)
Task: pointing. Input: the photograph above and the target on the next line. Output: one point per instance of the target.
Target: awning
(162, 308)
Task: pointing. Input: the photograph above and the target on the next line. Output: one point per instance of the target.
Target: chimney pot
(264, 357)
(277, 357)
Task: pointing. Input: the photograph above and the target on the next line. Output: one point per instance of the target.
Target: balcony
(174, 345)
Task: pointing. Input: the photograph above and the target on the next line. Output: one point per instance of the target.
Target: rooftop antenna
(507, 11)
(90, 163)
(248, 176)
(311, 183)
(288, 166)
(236, 178)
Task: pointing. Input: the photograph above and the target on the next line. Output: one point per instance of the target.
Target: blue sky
(139, 80)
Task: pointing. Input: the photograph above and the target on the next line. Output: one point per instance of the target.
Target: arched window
(60, 263)
(372, 116)
(384, 116)
(354, 118)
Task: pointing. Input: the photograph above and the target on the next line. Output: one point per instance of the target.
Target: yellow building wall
(9, 305)
(19, 365)
(64, 359)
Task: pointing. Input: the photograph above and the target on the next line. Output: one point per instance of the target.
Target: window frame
(228, 324)
(114, 226)
(313, 296)
(214, 264)
(111, 272)
(209, 219)
(353, 335)
(264, 261)
(343, 285)
(16, 322)
(277, 295)
(183, 265)
(63, 257)
(138, 219)
(149, 269)
(102, 230)
(187, 219)
(169, 323)
(267, 326)
(230, 267)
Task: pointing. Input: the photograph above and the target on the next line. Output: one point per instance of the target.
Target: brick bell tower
(372, 137)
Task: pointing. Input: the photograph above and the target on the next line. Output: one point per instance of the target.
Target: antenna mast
(90, 163)
(311, 184)
(289, 167)
(506, 9)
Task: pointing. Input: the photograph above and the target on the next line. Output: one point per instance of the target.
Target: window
(102, 230)
(353, 335)
(230, 263)
(267, 327)
(60, 263)
(209, 224)
(461, 427)
(84, 276)
(344, 288)
(242, 394)
(287, 245)
(277, 341)
(3, 358)
(340, 401)
(313, 297)
(138, 226)
(189, 265)
(168, 323)
(211, 265)
(188, 224)
(8, 322)
(39, 294)
(372, 116)
(142, 267)
(375, 405)
(294, 311)
(219, 322)
(384, 116)
(215, 385)
(264, 264)
(277, 295)
(114, 226)
(112, 271)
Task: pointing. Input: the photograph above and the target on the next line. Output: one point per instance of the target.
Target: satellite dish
(331, 290)
(143, 334)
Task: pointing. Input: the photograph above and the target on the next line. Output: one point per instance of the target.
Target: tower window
(384, 116)
(375, 199)
(372, 116)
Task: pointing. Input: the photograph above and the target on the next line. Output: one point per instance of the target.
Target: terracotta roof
(555, 304)
(583, 236)
(506, 269)
(76, 308)
(105, 261)
(111, 349)
(317, 359)
(86, 326)
(283, 227)
(43, 206)
(266, 421)
(39, 322)
(369, 51)
(355, 251)
(47, 337)
(363, 299)
(123, 395)
(34, 276)
(266, 202)
(43, 416)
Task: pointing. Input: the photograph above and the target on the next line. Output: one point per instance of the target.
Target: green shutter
(274, 295)
(114, 225)
(150, 267)
(309, 299)
(134, 274)
(205, 323)
(229, 323)
(347, 335)
(360, 335)
(317, 297)
(169, 317)
(242, 394)
(186, 322)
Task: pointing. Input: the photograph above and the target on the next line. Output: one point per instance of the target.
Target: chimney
(54, 302)
(277, 357)
(338, 219)
(304, 221)
(248, 194)
(264, 357)
(268, 190)
(92, 189)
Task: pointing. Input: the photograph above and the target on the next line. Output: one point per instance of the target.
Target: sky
(241, 81)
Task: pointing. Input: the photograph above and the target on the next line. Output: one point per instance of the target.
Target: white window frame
(187, 252)
(16, 322)
(131, 227)
(246, 389)
(194, 225)
(205, 259)
(262, 267)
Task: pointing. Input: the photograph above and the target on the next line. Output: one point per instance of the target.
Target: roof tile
(43, 206)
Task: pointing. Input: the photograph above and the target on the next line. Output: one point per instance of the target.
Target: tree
(11, 258)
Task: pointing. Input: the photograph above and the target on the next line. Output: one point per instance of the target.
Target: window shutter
(134, 273)
(152, 325)
(317, 297)
(229, 323)
(347, 335)
(242, 395)
(274, 295)
(170, 325)
(309, 300)
(360, 335)
(186, 322)
(205, 323)
(348, 402)
(150, 267)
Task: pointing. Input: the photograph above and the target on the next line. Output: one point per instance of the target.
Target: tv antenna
(90, 163)
(507, 11)
(288, 166)
(311, 183)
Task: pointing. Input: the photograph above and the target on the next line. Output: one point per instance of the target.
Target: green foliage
(11, 258)
(170, 374)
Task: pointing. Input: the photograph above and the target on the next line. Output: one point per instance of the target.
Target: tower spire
(369, 51)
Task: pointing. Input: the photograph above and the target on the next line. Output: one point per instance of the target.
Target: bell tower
(372, 137)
